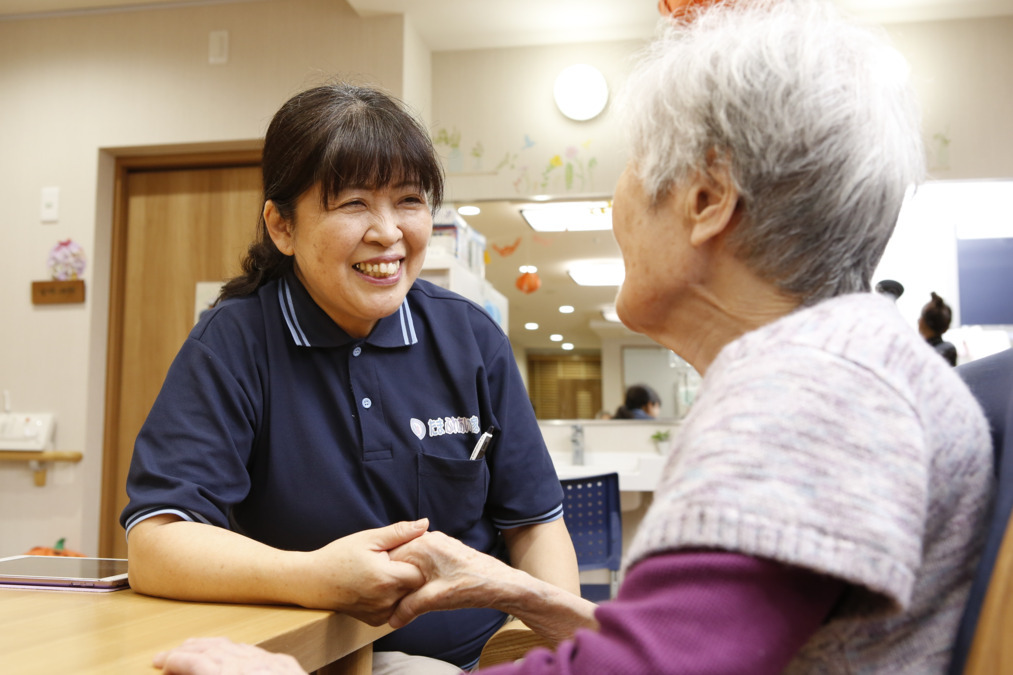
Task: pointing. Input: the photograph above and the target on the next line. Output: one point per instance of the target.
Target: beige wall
(74, 91)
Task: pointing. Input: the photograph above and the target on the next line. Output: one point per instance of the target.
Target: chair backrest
(591, 512)
(982, 644)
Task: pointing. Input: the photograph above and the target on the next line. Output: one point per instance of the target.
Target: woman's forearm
(545, 552)
(173, 558)
(550, 611)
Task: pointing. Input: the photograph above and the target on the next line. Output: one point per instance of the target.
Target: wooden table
(50, 632)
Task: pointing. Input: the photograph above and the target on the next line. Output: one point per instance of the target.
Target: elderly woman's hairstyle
(937, 315)
(815, 118)
(340, 136)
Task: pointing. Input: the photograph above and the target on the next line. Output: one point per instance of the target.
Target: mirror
(664, 371)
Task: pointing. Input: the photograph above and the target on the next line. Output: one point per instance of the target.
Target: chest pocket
(452, 493)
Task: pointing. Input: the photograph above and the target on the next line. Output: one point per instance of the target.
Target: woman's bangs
(375, 157)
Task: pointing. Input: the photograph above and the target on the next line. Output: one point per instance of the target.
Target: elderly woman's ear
(711, 202)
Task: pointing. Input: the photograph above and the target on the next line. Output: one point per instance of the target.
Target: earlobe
(278, 227)
(712, 203)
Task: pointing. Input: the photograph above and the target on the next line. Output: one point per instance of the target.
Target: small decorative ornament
(66, 261)
(682, 10)
(528, 282)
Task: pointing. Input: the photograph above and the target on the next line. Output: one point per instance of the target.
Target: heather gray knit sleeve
(778, 462)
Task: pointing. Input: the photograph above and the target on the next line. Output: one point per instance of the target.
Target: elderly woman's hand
(221, 656)
(459, 576)
(456, 576)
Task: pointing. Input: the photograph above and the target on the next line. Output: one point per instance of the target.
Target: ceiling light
(541, 198)
(469, 210)
(597, 272)
(566, 309)
(527, 269)
(610, 315)
(567, 346)
(569, 216)
(531, 325)
(580, 92)
(556, 337)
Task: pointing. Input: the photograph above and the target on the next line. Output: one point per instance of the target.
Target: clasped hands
(401, 572)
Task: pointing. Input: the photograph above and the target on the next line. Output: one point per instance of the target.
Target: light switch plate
(49, 208)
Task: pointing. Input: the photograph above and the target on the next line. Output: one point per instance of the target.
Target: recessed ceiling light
(567, 346)
(610, 315)
(527, 269)
(531, 325)
(541, 198)
(569, 216)
(597, 272)
(566, 309)
(469, 210)
(556, 337)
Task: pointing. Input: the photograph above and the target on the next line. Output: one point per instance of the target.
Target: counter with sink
(627, 447)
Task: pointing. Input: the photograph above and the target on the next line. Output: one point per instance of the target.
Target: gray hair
(817, 120)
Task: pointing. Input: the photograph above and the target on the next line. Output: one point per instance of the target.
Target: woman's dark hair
(637, 396)
(936, 315)
(340, 136)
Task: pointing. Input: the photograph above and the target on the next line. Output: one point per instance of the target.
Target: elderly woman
(823, 507)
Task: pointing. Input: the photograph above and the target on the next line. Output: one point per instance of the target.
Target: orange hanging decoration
(529, 282)
(678, 9)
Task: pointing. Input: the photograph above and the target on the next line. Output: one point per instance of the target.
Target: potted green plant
(660, 439)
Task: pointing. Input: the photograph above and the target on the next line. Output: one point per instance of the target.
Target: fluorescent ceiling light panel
(569, 216)
(597, 272)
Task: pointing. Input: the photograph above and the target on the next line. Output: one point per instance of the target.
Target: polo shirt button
(366, 403)
(356, 351)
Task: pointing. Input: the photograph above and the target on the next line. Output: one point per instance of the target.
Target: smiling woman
(285, 455)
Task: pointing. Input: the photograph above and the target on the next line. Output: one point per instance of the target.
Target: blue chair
(591, 513)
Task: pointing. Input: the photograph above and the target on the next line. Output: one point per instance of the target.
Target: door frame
(125, 165)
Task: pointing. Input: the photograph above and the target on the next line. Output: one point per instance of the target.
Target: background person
(641, 403)
(287, 451)
(933, 322)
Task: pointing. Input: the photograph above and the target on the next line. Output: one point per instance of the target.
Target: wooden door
(173, 227)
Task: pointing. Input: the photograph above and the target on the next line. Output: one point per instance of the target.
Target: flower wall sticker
(66, 261)
(571, 169)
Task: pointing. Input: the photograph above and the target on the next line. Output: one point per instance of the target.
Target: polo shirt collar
(310, 326)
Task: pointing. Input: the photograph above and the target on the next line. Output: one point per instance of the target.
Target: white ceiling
(471, 24)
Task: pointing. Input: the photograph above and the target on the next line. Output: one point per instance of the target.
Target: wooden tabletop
(50, 632)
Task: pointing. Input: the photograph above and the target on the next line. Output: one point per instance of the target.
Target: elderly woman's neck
(713, 315)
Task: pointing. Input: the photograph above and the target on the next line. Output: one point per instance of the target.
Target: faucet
(577, 444)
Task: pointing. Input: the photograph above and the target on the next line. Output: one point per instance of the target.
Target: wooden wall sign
(57, 292)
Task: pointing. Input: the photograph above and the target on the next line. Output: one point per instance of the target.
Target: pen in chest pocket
(483, 443)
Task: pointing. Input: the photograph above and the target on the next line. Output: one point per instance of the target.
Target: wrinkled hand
(356, 575)
(456, 576)
(220, 656)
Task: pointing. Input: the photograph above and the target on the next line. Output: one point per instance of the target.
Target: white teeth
(385, 269)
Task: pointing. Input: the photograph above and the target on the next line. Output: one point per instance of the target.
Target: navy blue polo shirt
(274, 422)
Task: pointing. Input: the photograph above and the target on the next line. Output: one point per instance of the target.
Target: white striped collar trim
(291, 318)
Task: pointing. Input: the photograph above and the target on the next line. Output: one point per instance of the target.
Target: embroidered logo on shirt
(418, 428)
(440, 426)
